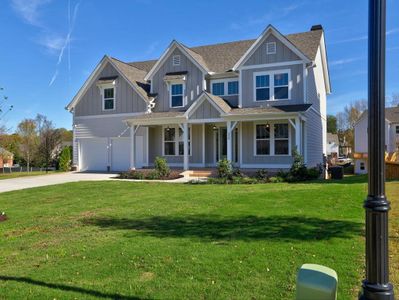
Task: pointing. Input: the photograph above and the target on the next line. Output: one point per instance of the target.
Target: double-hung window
(281, 86)
(262, 87)
(218, 88)
(281, 139)
(176, 95)
(262, 142)
(109, 98)
(232, 88)
(272, 86)
(174, 141)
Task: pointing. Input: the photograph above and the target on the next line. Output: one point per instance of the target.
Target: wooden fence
(392, 170)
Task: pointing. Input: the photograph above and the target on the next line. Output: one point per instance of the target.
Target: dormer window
(176, 95)
(109, 98)
(271, 48)
(176, 60)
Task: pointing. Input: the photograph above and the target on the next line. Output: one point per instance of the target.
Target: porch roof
(270, 109)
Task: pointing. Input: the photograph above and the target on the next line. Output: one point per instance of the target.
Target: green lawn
(97, 240)
(23, 174)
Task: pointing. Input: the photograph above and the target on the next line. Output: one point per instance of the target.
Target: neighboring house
(6, 158)
(361, 137)
(332, 145)
(251, 101)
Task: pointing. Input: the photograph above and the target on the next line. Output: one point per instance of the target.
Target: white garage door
(120, 157)
(94, 155)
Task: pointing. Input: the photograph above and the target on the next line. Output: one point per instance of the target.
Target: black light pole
(376, 286)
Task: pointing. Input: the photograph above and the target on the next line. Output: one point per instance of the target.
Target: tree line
(38, 143)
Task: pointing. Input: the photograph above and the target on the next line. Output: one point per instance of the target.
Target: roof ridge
(126, 64)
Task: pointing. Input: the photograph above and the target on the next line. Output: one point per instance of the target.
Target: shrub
(313, 173)
(161, 166)
(262, 174)
(249, 180)
(153, 175)
(237, 173)
(224, 168)
(136, 175)
(65, 159)
(298, 171)
(217, 180)
(276, 179)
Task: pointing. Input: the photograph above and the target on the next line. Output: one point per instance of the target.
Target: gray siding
(248, 157)
(155, 146)
(314, 138)
(205, 111)
(209, 145)
(296, 84)
(260, 57)
(101, 127)
(194, 79)
(126, 101)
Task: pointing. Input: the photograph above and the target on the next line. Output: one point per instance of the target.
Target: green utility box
(316, 282)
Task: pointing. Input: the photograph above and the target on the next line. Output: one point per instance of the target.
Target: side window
(232, 88)
(218, 88)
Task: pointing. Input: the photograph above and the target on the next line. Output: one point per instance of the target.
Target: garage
(93, 154)
(120, 157)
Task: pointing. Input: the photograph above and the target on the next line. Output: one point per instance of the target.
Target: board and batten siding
(260, 56)
(296, 86)
(314, 138)
(248, 143)
(193, 83)
(126, 98)
(205, 111)
(156, 140)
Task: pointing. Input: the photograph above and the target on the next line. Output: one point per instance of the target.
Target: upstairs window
(281, 86)
(397, 129)
(262, 87)
(109, 98)
(271, 48)
(176, 60)
(232, 88)
(272, 85)
(176, 95)
(218, 88)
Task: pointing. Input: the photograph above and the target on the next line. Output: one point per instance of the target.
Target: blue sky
(49, 47)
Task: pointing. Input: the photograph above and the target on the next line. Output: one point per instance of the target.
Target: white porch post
(185, 141)
(133, 147)
(298, 135)
(229, 142)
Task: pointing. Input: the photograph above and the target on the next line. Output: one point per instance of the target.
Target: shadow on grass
(276, 228)
(68, 288)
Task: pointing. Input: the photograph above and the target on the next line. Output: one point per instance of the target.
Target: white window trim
(267, 48)
(102, 88)
(272, 139)
(226, 85)
(183, 95)
(271, 84)
(176, 57)
(176, 141)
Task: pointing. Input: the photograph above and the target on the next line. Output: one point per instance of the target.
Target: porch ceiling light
(214, 127)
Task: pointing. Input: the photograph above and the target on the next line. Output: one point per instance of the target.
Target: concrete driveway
(14, 184)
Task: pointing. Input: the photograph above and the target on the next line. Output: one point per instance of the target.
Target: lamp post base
(376, 291)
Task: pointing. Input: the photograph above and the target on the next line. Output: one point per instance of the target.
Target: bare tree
(27, 132)
(49, 140)
(394, 100)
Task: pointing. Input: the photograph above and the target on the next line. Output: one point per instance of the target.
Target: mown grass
(24, 174)
(96, 240)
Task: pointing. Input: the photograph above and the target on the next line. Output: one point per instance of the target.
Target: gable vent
(176, 60)
(271, 48)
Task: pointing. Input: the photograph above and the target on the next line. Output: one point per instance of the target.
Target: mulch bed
(148, 174)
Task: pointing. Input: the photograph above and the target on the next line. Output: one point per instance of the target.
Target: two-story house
(361, 137)
(251, 101)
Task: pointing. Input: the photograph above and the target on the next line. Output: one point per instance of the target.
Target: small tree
(161, 166)
(50, 140)
(224, 168)
(298, 171)
(27, 132)
(65, 159)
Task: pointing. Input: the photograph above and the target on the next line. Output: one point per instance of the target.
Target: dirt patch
(147, 276)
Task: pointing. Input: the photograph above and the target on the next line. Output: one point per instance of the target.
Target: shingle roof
(222, 104)
(157, 115)
(270, 109)
(332, 138)
(222, 57)
(392, 114)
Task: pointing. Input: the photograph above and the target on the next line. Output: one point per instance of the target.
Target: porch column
(185, 141)
(229, 141)
(133, 129)
(298, 135)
